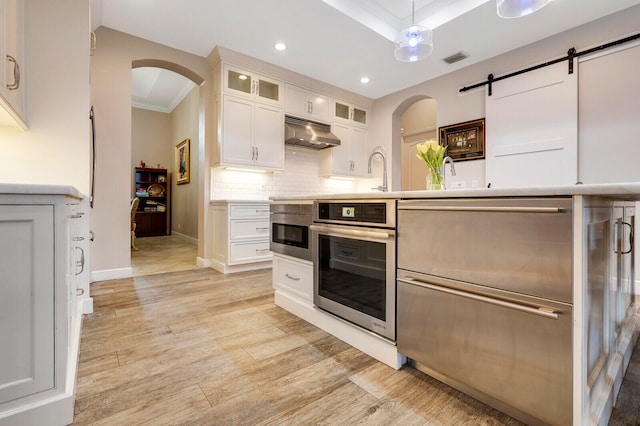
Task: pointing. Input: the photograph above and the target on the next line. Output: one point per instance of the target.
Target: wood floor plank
(197, 347)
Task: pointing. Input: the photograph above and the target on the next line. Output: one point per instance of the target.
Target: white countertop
(624, 191)
(39, 189)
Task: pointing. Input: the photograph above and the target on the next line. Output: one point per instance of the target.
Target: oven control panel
(348, 212)
(379, 213)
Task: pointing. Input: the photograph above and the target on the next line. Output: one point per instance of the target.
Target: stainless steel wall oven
(354, 254)
(290, 224)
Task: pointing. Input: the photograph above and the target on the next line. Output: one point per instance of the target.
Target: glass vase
(434, 179)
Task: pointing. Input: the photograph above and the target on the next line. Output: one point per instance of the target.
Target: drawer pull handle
(496, 209)
(541, 311)
(292, 278)
(261, 250)
(262, 229)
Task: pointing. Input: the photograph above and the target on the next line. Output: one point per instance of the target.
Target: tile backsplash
(300, 177)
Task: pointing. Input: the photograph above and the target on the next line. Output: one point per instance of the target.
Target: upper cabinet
(252, 134)
(350, 114)
(350, 158)
(252, 86)
(304, 103)
(12, 91)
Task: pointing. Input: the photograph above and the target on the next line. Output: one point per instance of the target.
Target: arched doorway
(168, 116)
(414, 121)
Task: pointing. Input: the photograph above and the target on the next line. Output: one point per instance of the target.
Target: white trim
(87, 305)
(185, 237)
(202, 262)
(111, 274)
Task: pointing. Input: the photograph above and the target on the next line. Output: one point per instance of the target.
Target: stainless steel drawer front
(521, 245)
(516, 359)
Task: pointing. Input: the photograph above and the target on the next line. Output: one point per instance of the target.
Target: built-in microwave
(290, 233)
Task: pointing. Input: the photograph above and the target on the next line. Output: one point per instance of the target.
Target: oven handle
(350, 232)
(542, 311)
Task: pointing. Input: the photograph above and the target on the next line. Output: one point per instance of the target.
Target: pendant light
(413, 43)
(518, 8)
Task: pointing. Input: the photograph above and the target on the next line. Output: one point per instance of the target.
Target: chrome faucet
(382, 188)
(444, 174)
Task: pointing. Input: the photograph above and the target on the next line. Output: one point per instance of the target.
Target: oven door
(354, 275)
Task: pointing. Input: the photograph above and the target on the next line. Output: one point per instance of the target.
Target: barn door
(532, 129)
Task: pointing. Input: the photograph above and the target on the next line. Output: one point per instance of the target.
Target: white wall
(56, 147)
(454, 107)
(150, 139)
(184, 197)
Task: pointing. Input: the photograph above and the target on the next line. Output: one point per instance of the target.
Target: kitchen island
(601, 311)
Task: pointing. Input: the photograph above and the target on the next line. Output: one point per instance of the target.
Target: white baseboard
(87, 305)
(185, 237)
(203, 263)
(111, 274)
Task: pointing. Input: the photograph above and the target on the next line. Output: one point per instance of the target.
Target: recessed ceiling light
(280, 46)
(364, 80)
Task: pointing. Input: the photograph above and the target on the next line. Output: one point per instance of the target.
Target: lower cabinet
(43, 291)
(241, 236)
(293, 276)
(149, 224)
(27, 300)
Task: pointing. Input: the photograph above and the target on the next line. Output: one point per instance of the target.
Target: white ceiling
(340, 41)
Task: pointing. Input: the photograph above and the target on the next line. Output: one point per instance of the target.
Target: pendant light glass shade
(413, 44)
(518, 8)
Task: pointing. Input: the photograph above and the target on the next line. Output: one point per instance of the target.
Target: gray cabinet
(27, 292)
(43, 293)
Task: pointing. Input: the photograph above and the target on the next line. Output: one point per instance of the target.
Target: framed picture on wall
(465, 141)
(182, 162)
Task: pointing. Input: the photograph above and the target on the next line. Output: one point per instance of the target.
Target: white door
(27, 323)
(269, 136)
(532, 129)
(237, 128)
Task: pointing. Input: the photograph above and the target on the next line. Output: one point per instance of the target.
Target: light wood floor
(196, 347)
(169, 253)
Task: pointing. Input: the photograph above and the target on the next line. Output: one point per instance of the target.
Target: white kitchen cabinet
(252, 134)
(42, 297)
(348, 159)
(349, 114)
(304, 103)
(294, 276)
(12, 93)
(241, 236)
(27, 300)
(252, 86)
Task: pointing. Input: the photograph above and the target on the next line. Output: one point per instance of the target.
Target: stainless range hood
(309, 134)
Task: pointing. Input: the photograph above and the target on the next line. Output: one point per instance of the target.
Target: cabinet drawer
(240, 211)
(248, 229)
(249, 251)
(294, 277)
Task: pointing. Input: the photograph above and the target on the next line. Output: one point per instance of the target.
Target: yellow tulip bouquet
(432, 154)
